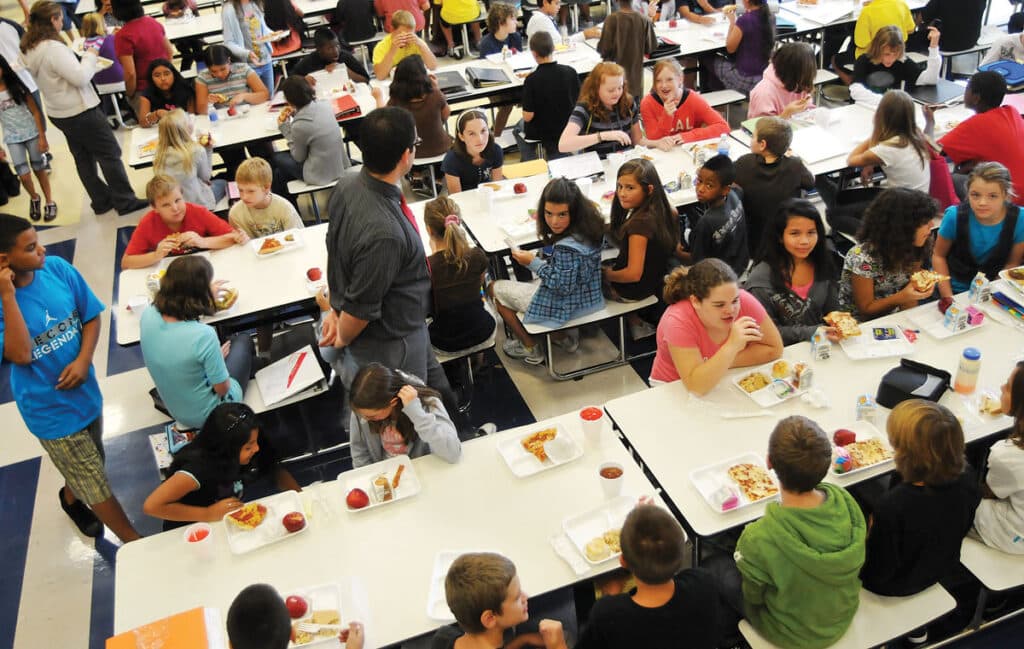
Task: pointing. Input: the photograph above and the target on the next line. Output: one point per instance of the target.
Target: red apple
(842, 437)
(519, 188)
(232, 111)
(293, 521)
(314, 274)
(357, 499)
(296, 606)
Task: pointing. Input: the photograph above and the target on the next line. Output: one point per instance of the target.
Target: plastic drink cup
(486, 195)
(610, 476)
(584, 184)
(592, 423)
(199, 538)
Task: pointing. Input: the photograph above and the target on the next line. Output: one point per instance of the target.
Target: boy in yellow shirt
(400, 43)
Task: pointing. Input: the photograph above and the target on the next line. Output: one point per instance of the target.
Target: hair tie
(452, 219)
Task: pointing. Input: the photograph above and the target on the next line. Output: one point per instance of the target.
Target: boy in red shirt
(174, 227)
(994, 134)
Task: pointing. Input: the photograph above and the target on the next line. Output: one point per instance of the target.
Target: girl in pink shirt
(710, 327)
(786, 85)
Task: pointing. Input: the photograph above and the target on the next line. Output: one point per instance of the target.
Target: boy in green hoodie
(800, 562)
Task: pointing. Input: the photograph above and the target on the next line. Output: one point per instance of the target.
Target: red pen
(295, 370)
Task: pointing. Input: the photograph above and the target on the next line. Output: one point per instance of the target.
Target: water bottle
(967, 373)
(211, 113)
(723, 145)
(563, 31)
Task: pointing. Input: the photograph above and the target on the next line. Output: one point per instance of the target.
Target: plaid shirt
(570, 283)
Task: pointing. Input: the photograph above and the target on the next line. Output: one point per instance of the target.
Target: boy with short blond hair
(484, 594)
(260, 212)
(768, 176)
(669, 609)
(401, 42)
(174, 227)
(800, 562)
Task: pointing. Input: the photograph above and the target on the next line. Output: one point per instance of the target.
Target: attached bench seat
(996, 570)
(298, 187)
(879, 619)
(611, 310)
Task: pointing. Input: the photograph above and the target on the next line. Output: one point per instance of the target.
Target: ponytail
(441, 216)
(697, 280)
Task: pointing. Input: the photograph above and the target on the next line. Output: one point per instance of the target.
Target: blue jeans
(22, 152)
(266, 74)
(220, 189)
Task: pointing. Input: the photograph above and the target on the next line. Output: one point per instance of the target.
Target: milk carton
(980, 289)
(955, 318)
(821, 346)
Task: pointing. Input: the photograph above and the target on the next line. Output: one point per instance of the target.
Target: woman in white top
(999, 519)
(73, 107)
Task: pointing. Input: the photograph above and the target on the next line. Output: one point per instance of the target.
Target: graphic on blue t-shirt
(55, 306)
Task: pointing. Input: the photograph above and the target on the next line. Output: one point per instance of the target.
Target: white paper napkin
(565, 549)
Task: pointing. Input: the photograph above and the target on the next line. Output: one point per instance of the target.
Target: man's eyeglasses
(418, 141)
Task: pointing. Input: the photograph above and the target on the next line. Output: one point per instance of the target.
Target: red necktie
(409, 215)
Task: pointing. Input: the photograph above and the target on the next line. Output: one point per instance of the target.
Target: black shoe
(101, 210)
(82, 516)
(134, 206)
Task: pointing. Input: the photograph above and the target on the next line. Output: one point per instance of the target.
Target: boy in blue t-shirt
(49, 326)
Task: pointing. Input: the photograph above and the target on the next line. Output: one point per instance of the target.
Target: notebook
(346, 106)
(573, 167)
(198, 628)
(486, 77)
(289, 376)
(451, 82)
(942, 93)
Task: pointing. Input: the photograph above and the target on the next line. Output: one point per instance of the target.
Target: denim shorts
(23, 152)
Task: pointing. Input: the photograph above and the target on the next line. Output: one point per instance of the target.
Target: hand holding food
(217, 98)
(844, 324)
(925, 280)
(166, 246)
(285, 113)
(189, 239)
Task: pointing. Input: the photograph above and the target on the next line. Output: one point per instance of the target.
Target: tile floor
(56, 587)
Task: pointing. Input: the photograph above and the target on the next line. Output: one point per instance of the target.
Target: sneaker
(642, 330)
(570, 342)
(81, 516)
(514, 348)
(536, 356)
(35, 209)
(51, 212)
(486, 429)
(455, 53)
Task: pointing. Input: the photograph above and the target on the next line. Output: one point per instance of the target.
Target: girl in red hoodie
(673, 114)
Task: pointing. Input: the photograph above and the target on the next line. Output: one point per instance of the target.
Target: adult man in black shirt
(376, 267)
(549, 94)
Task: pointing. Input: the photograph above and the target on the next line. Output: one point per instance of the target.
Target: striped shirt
(234, 84)
(589, 124)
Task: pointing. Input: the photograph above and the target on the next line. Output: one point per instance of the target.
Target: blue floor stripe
(66, 251)
(18, 484)
(120, 358)
(101, 615)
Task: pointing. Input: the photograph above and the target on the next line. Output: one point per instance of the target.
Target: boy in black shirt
(721, 230)
(258, 619)
(768, 177)
(549, 94)
(667, 610)
(327, 55)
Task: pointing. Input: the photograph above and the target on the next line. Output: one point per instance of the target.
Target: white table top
(188, 27)
(510, 210)
(675, 432)
(852, 124)
(476, 504)
(260, 123)
(262, 283)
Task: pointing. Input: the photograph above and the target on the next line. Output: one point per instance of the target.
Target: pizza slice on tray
(753, 480)
(534, 443)
(270, 244)
(249, 516)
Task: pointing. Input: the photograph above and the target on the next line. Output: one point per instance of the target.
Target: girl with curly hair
(893, 243)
